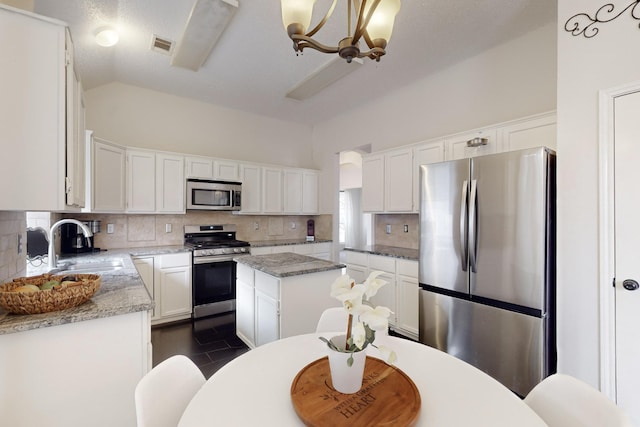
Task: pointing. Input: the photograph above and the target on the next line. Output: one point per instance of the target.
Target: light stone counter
(390, 251)
(287, 264)
(285, 242)
(121, 291)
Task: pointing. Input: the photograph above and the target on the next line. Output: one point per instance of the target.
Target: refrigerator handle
(464, 247)
(473, 236)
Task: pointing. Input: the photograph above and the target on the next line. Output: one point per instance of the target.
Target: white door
(627, 252)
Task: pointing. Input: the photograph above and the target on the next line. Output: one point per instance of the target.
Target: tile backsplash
(396, 224)
(131, 231)
(12, 263)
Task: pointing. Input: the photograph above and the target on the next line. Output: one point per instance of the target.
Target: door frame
(606, 234)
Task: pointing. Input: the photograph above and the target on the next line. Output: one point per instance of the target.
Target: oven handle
(217, 258)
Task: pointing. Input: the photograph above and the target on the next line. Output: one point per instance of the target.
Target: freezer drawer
(508, 346)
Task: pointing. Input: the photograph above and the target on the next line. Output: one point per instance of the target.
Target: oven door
(214, 285)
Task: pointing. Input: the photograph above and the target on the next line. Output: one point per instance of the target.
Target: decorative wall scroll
(585, 24)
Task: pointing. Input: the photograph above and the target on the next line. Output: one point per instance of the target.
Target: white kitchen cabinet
(76, 145)
(373, 183)
(251, 178)
(169, 284)
(292, 193)
(108, 176)
(34, 59)
(267, 309)
(407, 292)
(386, 296)
(423, 154)
(226, 170)
(199, 167)
(533, 132)
(145, 268)
(272, 199)
(310, 191)
(141, 181)
(398, 180)
(457, 145)
(245, 303)
(170, 183)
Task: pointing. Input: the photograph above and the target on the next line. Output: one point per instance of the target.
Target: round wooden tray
(388, 397)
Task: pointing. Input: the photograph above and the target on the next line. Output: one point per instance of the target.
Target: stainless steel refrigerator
(487, 263)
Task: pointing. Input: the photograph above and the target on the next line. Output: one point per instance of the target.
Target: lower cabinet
(169, 285)
(400, 294)
(269, 308)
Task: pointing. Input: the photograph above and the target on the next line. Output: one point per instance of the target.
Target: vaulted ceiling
(253, 65)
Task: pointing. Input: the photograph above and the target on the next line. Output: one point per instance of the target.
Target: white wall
(585, 66)
(137, 117)
(513, 80)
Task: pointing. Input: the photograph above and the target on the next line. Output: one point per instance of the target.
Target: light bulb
(107, 37)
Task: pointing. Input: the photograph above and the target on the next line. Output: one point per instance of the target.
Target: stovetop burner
(211, 240)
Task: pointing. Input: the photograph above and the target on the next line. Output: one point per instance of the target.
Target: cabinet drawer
(174, 260)
(245, 274)
(407, 268)
(377, 262)
(268, 285)
(356, 258)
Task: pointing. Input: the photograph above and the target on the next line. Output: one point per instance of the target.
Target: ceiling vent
(158, 44)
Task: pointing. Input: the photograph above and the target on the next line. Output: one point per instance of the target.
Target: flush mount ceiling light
(372, 21)
(206, 23)
(107, 36)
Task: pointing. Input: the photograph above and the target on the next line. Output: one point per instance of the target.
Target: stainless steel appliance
(487, 263)
(213, 195)
(214, 270)
(73, 240)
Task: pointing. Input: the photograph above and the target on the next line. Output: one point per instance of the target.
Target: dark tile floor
(210, 342)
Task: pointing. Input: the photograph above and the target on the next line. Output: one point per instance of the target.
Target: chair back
(162, 395)
(564, 401)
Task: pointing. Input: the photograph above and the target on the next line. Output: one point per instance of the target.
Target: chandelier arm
(324, 20)
(362, 26)
(303, 42)
(374, 53)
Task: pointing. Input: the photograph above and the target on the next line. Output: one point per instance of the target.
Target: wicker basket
(60, 297)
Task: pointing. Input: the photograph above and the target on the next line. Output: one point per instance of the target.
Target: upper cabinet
(39, 91)
(212, 168)
(170, 183)
(373, 183)
(536, 132)
(107, 171)
(471, 144)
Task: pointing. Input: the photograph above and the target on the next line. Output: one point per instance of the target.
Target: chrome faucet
(52, 248)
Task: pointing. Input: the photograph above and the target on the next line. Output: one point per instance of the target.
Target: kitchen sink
(88, 267)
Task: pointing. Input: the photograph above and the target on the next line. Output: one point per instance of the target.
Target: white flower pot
(345, 379)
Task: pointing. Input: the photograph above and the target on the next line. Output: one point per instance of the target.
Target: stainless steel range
(214, 270)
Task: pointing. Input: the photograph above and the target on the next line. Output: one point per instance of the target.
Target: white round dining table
(255, 389)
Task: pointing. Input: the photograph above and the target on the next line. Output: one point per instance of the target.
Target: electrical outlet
(110, 228)
(256, 225)
(388, 228)
(167, 228)
(19, 243)
(406, 228)
(292, 225)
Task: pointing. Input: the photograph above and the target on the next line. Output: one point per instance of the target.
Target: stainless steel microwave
(213, 195)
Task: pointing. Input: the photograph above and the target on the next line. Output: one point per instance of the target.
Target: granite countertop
(285, 242)
(287, 264)
(121, 291)
(390, 251)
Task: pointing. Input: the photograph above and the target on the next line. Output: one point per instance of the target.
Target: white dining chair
(564, 401)
(162, 395)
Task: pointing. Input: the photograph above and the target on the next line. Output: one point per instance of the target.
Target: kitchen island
(281, 295)
(80, 366)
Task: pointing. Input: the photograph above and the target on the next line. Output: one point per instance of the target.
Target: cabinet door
(226, 170)
(457, 145)
(310, 192)
(432, 152)
(108, 168)
(251, 176)
(170, 183)
(199, 167)
(407, 297)
(373, 183)
(398, 181)
(75, 111)
(267, 319)
(272, 190)
(145, 267)
(245, 313)
(536, 132)
(357, 272)
(175, 291)
(293, 191)
(141, 181)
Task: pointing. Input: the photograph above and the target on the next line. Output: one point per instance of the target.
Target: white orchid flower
(377, 318)
(359, 335)
(341, 285)
(352, 299)
(372, 284)
(388, 354)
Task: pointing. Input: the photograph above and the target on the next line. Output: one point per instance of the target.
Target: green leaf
(350, 360)
(329, 343)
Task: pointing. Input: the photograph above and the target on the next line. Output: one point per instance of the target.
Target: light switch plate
(110, 228)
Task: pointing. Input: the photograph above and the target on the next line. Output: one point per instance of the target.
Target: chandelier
(373, 23)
